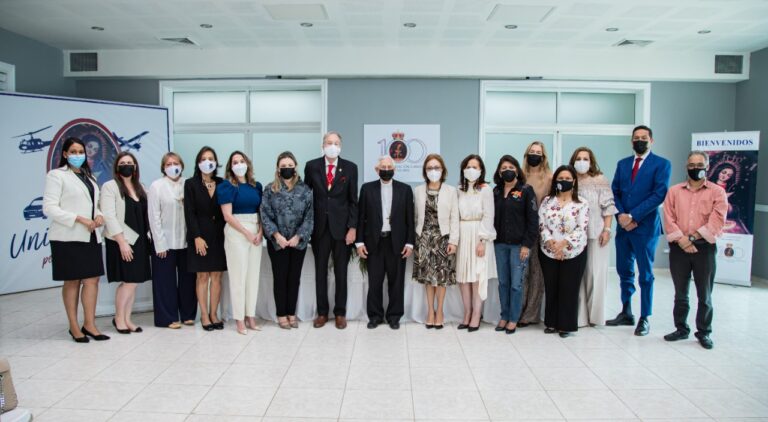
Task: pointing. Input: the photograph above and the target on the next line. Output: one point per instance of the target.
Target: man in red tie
(333, 181)
(639, 187)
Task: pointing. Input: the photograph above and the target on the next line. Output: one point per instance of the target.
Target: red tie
(636, 168)
(329, 176)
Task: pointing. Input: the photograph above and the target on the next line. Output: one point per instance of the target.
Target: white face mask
(173, 171)
(240, 169)
(207, 166)
(331, 151)
(471, 174)
(582, 167)
(434, 175)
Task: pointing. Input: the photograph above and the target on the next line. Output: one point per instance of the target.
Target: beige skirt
(469, 267)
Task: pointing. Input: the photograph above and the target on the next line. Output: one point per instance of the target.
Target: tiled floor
(410, 374)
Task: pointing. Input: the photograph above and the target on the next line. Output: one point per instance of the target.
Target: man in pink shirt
(694, 215)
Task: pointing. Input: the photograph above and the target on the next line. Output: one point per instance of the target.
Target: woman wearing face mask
(173, 286)
(516, 222)
(124, 204)
(563, 223)
(288, 219)
(205, 236)
(596, 190)
(240, 198)
(475, 263)
(71, 200)
(539, 177)
(437, 237)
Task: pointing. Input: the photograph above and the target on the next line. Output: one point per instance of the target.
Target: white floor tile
(590, 404)
(306, 403)
(515, 405)
(449, 405)
(166, 398)
(377, 404)
(659, 404)
(234, 401)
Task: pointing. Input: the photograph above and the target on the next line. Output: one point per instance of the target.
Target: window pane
(187, 146)
(267, 146)
(586, 108)
(507, 108)
(208, 107)
(514, 144)
(285, 106)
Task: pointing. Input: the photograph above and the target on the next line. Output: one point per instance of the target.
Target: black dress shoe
(523, 324)
(512, 331)
(438, 327)
(83, 339)
(499, 328)
(549, 330)
(125, 331)
(462, 326)
(564, 334)
(137, 330)
(621, 319)
(372, 324)
(471, 329)
(394, 325)
(677, 335)
(218, 325)
(643, 327)
(429, 326)
(705, 341)
(100, 337)
(208, 327)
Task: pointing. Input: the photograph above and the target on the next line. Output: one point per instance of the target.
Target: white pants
(594, 282)
(243, 265)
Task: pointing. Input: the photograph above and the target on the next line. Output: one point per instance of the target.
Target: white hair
(384, 157)
(700, 153)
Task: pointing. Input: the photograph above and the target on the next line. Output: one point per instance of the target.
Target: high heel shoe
(512, 331)
(471, 329)
(83, 339)
(99, 337)
(208, 327)
(462, 326)
(125, 331)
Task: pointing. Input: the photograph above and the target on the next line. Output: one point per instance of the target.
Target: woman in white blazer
(71, 200)
(124, 204)
(437, 236)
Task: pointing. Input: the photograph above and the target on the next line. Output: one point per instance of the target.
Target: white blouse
(569, 222)
(166, 214)
(597, 191)
(478, 206)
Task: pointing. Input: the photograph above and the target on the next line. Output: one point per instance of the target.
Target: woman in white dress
(475, 263)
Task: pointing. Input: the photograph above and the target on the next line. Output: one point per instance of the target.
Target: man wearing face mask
(385, 237)
(694, 216)
(639, 187)
(333, 181)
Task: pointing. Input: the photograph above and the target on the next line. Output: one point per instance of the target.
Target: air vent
(632, 43)
(83, 62)
(179, 40)
(733, 65)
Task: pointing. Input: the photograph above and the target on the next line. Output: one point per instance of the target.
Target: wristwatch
(691, 238)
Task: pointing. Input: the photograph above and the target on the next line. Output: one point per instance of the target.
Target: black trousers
(702, 265)
(383, 261)
(286, 273)
(322, 247)
(173, 288)
(561, 286)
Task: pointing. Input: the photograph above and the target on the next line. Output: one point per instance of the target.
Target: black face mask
(534, 160)
(697, 174)
(386, 175)
(508, 175)
(287, 172)
(125, 170)
(564, 185)
(640, 147)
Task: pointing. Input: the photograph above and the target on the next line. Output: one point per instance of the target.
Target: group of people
(542, 233)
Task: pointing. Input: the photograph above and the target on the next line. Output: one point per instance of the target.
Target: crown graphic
(398, 135)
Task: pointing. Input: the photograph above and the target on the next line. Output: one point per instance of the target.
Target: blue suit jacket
(642, 197)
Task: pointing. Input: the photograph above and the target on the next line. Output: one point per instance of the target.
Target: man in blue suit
(639, 187)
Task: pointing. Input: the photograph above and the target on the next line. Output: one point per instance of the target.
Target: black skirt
(215, 259)
(139, 269)
(76, 260)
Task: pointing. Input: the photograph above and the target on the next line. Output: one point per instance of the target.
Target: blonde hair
(278, 180)
(544, 160)
(166, 157)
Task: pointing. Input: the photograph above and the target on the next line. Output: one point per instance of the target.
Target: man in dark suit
(333, 181)
(639, 188)
(385, 237)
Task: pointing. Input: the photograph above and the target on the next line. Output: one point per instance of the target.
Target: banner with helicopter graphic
(32, 131)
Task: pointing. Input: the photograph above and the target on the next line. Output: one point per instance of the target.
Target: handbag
(8, 398)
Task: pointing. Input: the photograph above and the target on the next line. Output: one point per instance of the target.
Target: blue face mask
(76, 160)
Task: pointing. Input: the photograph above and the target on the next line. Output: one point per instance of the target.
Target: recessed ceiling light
(206, 26)
(307, 24)
(97, 28)
(409, 25)
(611, 29)
(704, 31)
(510, 26)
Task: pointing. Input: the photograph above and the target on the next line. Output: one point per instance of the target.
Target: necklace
(210, 184)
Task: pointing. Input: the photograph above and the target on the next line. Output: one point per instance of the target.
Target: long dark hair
(511, 160)
(574, 192)
(463, 182)
(86, 169)
(230, 175)
(135, 177)
(199, 174)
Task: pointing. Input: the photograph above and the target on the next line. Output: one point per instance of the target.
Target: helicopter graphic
(133, 143)
(32, 144)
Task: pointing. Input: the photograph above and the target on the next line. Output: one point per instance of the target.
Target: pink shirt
(687, 211)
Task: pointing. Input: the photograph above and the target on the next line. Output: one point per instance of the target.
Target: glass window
(208, 107)
(608, 149)
(267, 146)
(285, 106)
(508, 108)
(514, 144)
(597, 108)
(187, 146)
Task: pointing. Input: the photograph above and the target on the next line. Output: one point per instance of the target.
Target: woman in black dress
(205, 235)
(71, 200)
(124, 204)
